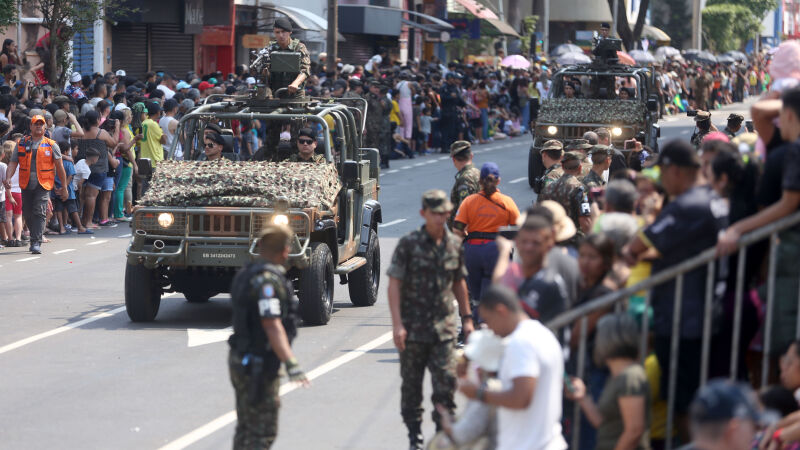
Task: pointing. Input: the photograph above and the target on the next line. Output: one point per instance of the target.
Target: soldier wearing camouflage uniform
(467, 178)
(734, 125)
(427, 269)
(356, 89)
(704, 126)
(582, 147)
(378, 108)
(552, 152)
(600, 156)
(570, 193)
(264, 325)
(293, 82)
(306, 147)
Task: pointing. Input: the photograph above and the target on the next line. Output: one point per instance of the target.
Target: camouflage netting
(248, 184)
(564, 110)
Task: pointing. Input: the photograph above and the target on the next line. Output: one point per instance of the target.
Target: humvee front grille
(297, 222)
(219, 225)
(149, 223)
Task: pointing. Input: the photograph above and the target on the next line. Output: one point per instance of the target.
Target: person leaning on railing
(622, 413)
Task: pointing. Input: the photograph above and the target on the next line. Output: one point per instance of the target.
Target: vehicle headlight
(166, 220)
(280, 219)
(616, 131)
(551, 130)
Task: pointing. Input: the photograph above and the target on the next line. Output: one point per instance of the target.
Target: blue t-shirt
(69, 170)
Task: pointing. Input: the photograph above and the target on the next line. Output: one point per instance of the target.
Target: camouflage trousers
(257, 421)
(439, 359)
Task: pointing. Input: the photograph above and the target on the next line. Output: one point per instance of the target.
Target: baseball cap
(213, 81)
(678, 153)
(204, 85)
(736, 118)
(307, 132)
(490, 169)
(571, 156)
(459, 147)
(37, 118)
(600, 149)
(250, 80)
(579, 144)
(553, 144)
(121, 107)
(282, 23)
(120, 73)
(60, 115)
(61, 99)
(722, 400)
(183, 85)
(702, 115)
(435, 200)
(76, 77)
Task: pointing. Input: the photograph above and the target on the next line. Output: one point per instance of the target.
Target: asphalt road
(76, 373)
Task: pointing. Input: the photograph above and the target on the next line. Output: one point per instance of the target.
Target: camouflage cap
(436, 200)
(736, 118)
(553, 144)
(459, 147)
(571, 156)
(702, 115)
(600, 149)
(579, 144)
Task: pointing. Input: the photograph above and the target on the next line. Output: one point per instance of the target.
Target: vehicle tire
(142, 294)
(535, 166)
(315, 290)
(363, 283)
(197, 296)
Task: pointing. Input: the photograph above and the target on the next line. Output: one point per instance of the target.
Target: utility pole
(546, 28)
(614, 19)
(503, 18)
(333, 27)
(697, 24)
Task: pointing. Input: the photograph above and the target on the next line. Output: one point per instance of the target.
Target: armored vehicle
(596, 106)
(199, 221)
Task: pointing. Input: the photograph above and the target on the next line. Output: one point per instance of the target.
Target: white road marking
(228, 418)
(420, 164)
(392, 171)
(97, 242)
(198, 336)
(28, 259)
(66, 250)
(125, 235)
(432, 161)
(405, 167)
(394, 222)
(518, 180)
(443, 158)
(67, 327)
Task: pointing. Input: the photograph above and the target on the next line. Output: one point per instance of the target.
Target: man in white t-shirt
(532, 374)
(169, 125)
(373, 65)
(167, 85)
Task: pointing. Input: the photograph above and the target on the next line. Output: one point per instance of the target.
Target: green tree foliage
(460, 48)
(674, 17)
(8, 13)
(728, 26)
(64, 18)
(758, 8)
(528, 29)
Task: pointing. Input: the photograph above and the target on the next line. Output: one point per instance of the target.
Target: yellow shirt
(151, 142)
(394, 116)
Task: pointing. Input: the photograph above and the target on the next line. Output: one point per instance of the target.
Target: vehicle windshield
(599, 85)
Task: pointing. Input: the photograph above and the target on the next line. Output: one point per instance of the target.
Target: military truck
(200, 220)
(565, 119)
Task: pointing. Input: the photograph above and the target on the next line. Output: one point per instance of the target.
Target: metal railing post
(773, 258)
(737, 312)
(645, 329)
(576, 413)
(673, 358)
(710, 278)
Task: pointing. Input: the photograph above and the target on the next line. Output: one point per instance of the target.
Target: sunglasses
(210, 145)
(305, 141)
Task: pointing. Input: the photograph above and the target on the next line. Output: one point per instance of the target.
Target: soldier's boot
(415, 437)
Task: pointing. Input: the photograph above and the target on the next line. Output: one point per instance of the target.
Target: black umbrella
(738, 56)
(700, 56)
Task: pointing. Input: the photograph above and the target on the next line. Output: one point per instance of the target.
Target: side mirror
(657, 130)
(145, 168)
(652, 103)
(350, 172)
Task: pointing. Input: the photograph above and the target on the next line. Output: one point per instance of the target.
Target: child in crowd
(425, 122)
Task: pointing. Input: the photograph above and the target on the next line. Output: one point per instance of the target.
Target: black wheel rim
(376, 271)
(327, 288)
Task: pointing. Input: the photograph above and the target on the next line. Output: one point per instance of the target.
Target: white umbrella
(667, 52)
(642, 57)
(573, 58)
(566, 48)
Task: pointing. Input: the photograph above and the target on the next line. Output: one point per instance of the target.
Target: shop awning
(652, 32)
(592, 11)
(304, 20)
(423, 27)
(484, 13)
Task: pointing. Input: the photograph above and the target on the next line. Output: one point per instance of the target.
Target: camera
(748, 124)
(630, 144)
(691, 113)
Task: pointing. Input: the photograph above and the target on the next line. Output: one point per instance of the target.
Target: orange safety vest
(45, 163)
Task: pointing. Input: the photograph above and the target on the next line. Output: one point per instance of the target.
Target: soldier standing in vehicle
(293, 82)
(552, 152)
(451, 100)
(427, 269)
(264, 325)
(467, 177)
(571, 193)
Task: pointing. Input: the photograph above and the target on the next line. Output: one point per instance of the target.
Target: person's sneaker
(36, 249)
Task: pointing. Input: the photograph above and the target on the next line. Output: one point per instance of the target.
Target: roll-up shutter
(357, 48)
(129, 49)
(83, 51)
(172, 50)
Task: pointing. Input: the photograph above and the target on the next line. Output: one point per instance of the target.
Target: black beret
(307, 132)
(282, 23)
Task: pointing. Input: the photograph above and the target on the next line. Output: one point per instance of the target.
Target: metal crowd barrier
(708, 257)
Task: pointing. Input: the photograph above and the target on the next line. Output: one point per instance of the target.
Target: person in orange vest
(38, 158)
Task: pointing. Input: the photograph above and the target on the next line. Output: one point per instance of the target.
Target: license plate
(218, 256)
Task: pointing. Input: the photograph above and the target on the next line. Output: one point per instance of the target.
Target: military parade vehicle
(597, 105)
(199, 221)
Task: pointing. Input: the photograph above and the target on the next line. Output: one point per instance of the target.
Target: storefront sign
(255, 40)
(193, 17)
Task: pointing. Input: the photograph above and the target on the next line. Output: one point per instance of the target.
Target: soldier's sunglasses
(209, 145)
(305, 141)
